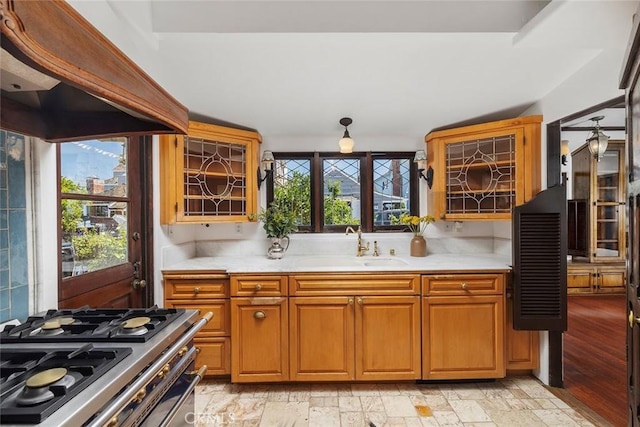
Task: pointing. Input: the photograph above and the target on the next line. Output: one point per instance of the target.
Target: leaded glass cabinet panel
(209, 175)
(481, 172)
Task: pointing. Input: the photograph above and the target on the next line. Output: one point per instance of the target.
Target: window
(328, 191)
(94, 204)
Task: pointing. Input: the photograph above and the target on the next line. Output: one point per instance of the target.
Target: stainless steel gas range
(100, 367)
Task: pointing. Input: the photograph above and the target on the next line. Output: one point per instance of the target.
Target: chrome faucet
(360, 250)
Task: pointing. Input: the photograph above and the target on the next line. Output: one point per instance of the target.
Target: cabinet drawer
(258, 286)
(215, 353)
(197, 286)
(355, 284)
(463, 284)
(219, 325)
(579, 279)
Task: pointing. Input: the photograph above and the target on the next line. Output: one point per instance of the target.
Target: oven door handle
(197, 376)
(110, 414)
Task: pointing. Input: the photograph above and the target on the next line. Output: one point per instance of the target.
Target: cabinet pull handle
(260, 315)
(359, 301)
(196, 290)
(258, 286)
(464, 286)
(350, 301)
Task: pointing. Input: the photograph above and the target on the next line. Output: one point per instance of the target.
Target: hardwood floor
(595, 354)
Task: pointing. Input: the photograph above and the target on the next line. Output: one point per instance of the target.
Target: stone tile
(429, 422)
(281, 414)
(398, 406)
(513, 418)
(364, 390)
(546, 404)
(344, 390)
(349, 404)
(555, 417)
(299, 396)
(500, 404)
(371, 404)
(323, 390)
(379, 419)
(352, 419)
(324, 417)
(523, 403)
(447, 418)
(438, 403)
(560, 403)
(487, 424)
(413, 422)
(407, 389)
(388, 390)
(430, 389)
(323, 401)
(469, 411)
(537, 391)
(577, 417)
(395, 422)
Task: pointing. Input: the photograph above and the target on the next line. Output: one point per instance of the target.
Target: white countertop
(339, 263)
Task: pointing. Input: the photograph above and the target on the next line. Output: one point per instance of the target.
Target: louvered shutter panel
(540, 262)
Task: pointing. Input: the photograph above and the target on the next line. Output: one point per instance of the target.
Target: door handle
(633, 320)
(139, 283)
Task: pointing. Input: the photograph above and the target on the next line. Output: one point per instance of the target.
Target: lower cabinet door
(259, 340)
(463, 337)
(522, 346)
(214, 352)
(321, 337)
(388, 338)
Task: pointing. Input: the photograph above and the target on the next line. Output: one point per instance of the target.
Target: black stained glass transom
(480, 175)
(391, 190)
(342, 192)
(292, 187)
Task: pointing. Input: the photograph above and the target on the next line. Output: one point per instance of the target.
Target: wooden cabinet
(596, 214)
(593, 277)
(260, 348)
(481, 172)
(259, 328)
(209, 175)
(463, 322)
(344, 327)
(205, 292)
(597, 221)
(522, 347)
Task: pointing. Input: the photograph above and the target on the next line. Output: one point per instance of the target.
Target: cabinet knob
(464, 286)
(196, 290)
(258, 286)
(260, 315)
(359, 301)
(350, 301)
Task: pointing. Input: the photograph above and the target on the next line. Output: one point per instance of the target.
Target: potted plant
(278, 222)
(417, 225)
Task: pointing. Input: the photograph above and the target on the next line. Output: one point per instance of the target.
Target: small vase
(276, 250)
(418, 246)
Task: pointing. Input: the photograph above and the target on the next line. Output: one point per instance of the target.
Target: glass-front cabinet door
(481, 172)
(209, 175)
(607, 237)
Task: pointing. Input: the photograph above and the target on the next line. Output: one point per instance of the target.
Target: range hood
(62, 80)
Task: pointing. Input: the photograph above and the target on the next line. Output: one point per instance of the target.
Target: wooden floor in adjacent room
(595, 354)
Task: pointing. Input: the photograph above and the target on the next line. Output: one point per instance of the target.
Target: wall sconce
(421, 160)
(267, 165)
(597, 141)
(564, 150)
(346, 143)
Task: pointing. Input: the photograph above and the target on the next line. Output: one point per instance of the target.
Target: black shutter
(540, 262)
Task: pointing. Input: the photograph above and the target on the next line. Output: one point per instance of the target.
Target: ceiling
(294, 68)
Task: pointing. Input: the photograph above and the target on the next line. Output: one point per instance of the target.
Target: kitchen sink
(329, 261)
(383, 262)
(334, 261)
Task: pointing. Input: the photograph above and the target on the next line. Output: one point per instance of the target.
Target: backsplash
(332, 244)
(14, 289)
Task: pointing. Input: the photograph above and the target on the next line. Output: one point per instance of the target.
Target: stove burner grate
(37, 382)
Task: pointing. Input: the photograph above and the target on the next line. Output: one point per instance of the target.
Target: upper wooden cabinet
(596, 210)
(481, 172)
(209, 175)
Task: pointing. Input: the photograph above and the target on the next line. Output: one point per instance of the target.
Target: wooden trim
(482, 127)
(51, 37)
(617, 102)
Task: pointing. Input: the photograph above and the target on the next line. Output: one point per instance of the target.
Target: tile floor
(514, 401)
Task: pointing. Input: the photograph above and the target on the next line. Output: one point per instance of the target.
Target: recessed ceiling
(293, 68)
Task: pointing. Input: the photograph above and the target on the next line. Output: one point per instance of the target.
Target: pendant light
(346, 143)
(597, 141)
